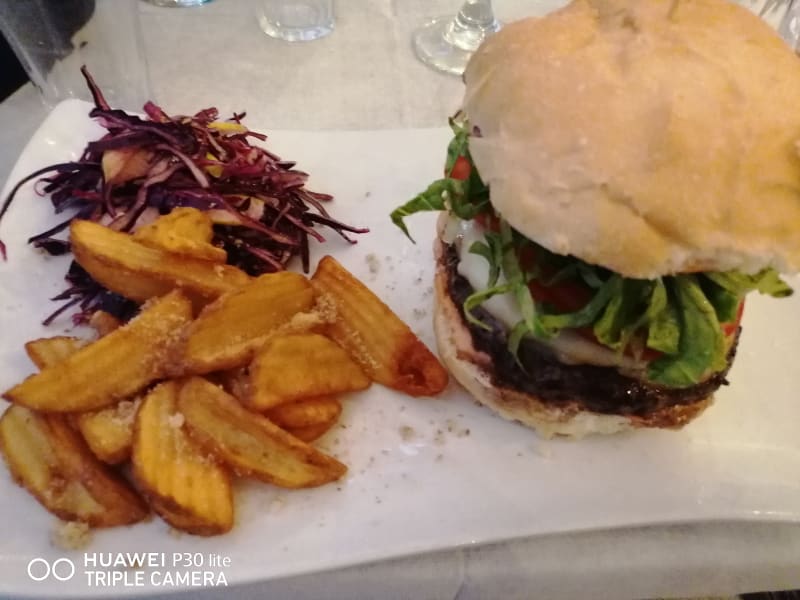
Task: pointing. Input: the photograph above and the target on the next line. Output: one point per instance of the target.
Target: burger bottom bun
(470, 367)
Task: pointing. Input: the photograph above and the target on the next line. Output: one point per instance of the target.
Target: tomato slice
(488, 220)
(566, 296)
(461, 169)
(732, 327)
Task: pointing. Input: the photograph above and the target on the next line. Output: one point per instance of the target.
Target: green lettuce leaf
(442, 194)
(767, 281)
(553, 323)
(459, 145)
(492, 251)
(701, 348)
(725, 302)
(661, 318)
(475, 299)
(621, 317)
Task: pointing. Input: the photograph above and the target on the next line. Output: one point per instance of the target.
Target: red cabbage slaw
(263, 213)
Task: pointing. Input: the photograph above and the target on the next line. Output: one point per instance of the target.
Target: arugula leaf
(433, 198)
(518, 333)
(766, 281)
(619, 319)
(465, 199)
(475, 299)
(512, 270)
(661, 316)
(459, 145)
(492, 251)
(589, 275)
(463, 203)
(702, 345)
(725, 302)
(586, 315)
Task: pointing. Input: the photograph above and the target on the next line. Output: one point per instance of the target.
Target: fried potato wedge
(291, 367)
(385, 347)
(139, 272)
(311, 432)
(47, 352)
(109, 431)
(185, 486)
(133, 285)
(47, 457)
(234, 381)
(185, 231)
(227, 332)
(104, 323)
(251, 444)
(306, 413)
(112, 368)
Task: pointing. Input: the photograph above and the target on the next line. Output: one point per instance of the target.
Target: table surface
(364, 76)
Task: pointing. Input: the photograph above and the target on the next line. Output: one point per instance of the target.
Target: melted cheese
(568, 346)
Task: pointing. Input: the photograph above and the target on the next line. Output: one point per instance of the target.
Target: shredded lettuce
(678, 316)
(602, 299)
(492, 251)
(475, 299)
(661, 319)
(620, 319)
(767, 281)
(701, 348)
(464, 198)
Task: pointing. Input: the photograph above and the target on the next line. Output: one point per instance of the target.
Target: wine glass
(447, 43)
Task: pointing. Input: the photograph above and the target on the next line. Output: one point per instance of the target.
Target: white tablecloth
(364, 76)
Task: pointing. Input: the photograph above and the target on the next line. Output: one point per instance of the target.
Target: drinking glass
(54, 38)
(296, 20)
(447, 43)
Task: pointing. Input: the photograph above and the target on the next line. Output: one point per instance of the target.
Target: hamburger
(621, 175)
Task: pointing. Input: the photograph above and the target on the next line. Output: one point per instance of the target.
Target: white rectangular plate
(425, 474)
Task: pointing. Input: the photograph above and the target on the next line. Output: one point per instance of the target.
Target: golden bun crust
(651, 137)
(466, 365)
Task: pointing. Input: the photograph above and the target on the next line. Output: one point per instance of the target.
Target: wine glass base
(432, 46)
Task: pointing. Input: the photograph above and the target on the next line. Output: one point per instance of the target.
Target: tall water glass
(54, 38)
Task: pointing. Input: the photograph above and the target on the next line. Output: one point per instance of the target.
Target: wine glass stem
(472, 24)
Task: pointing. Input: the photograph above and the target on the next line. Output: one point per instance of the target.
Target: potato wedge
(251, 444)
(227, 332)
(104, 323)
(112, 368)
(385, 347)
(186, 487)
(133, 285)
(291, 367)
(109, 431)
(235, 381)
(311, 433)
(46, 352)
(47, 457)
(136, 271)
(185, 231)
(306, 413)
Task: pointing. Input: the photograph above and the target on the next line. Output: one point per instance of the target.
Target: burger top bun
(651, 137)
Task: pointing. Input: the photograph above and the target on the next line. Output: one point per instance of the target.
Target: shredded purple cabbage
(264, 214)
